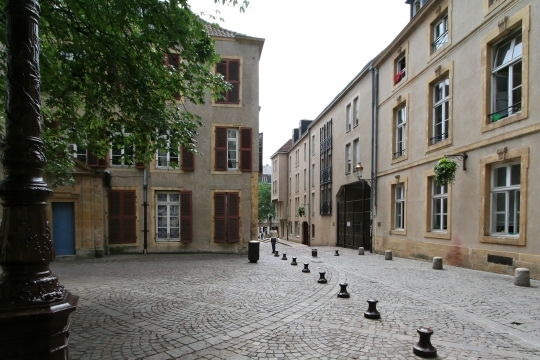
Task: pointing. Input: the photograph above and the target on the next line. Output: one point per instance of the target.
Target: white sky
(312, 50)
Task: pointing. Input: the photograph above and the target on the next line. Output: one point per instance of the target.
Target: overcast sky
(312, 50)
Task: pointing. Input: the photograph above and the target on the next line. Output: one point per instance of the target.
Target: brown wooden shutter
(233, 217)
(93, 161)
(245, 149)
(130, 220)
(122, 219)
(221, 68)
(220, 149)
(220, 223)
(188, 159)
(234, 79)
(186, 217)
(115, 217)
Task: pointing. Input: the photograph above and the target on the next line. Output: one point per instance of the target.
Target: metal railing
(438, 138)
(503, 113)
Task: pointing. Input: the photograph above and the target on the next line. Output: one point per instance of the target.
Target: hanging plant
(301, 210)
(445, 171)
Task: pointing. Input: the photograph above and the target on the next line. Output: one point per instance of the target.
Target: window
(399, 207)
(168, 216)
(121, 147)
(274, 165)
(173, 60)
(505, 64)
(233, 149)
(348, 160)
(356, 153)
(356, 111)
(348, 115)
(439, 207)
(313, 145)
(290, 228)
(122, 217)
(507, 78)
(505, 200)
(312, 174)
(296, 205)
(440, 111)
(312, 203)
(400, 69)
(226, 217)
(290, 162)
(417, 5)
(440, 33)
(305, 151)
(230, 70)
(167, 158)
(297, 154)
(297, 228)
(325, 168)
(84, 155)
(401, 135)
(305, 179)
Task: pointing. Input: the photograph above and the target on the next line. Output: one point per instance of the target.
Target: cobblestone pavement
(215, 306)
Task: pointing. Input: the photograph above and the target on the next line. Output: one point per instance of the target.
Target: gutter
(374, 133)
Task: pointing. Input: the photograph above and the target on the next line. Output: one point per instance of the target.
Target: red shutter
(122, 219)
(233, 217)
(188, 159)
(186, 217)
(220, 224)
(245, 149)
(220, 149)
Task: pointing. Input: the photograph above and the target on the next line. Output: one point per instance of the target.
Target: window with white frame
(401, 123)
(168, 216)
(507, 78)
(80, 153)
(505, 199)
(356, 153)
(312, 174)
(440, 33)
(399, 207)
(400, 69)
(290, 228)
(166, 159)
(297, 227)
(121, 147)
(312, 145)
(356, 110)
(441, 92)
(348, 160)
(313, 204)
(305, 151)
(305, 179)
(417, 5)
(439, 206)
(232, 149)
(348, 115)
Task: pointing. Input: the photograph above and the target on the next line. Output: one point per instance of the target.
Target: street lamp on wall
(359, 168)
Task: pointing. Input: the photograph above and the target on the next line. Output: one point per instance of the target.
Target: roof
(284, 149)
(216, 30)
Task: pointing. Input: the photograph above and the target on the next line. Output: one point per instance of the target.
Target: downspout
(145, 213)
(374, 124)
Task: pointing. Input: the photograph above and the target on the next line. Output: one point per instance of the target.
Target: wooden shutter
(220, 149)
(245, 149)
(93, 161)
(220, 213)
(221, 68)
(122, 219)
(233, 217)
(234, 79)
(186, 217)
(188, 159)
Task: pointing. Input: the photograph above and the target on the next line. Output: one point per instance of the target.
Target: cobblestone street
(214, 306)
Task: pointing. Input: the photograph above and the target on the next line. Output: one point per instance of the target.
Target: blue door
(63, 228)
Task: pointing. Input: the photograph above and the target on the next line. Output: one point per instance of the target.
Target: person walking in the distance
(273, 239)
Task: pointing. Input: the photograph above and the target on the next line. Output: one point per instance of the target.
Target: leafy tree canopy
(266, 208)
(104, 78)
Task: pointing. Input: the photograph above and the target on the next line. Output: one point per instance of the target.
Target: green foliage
(102, 62)
(266, 208)
(445, 171)
(301, 210)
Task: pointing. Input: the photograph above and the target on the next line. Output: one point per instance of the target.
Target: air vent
(503, 260)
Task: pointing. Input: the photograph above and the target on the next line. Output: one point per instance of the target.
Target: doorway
(305, 234)
(354, 216)
(63, 214)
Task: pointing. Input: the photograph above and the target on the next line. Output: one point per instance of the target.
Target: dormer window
(417, 5)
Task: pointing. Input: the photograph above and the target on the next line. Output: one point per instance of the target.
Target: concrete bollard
(522, 277)
(388, 255)
(360, 251)
(314, 252)
(437, 263)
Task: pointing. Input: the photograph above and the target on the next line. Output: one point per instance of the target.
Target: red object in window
(400, 75)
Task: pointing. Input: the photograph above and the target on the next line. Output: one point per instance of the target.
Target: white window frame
(168, 158)
(399, 207)
(232, 164)
(348, 159)
(169, 206)
(511, 105)
(356, 111)
(401, 134)
(119, 159)
(348, 114)
(79, 151)
(440, 33)
(511, 193)
(297, 228)
(441, 96)
(439, 207)
(356, 153)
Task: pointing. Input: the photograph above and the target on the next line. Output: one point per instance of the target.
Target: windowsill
(437, 235)
(400, 83)
(504, 240)
(234, 172)
(436, 54)
(489, 8)
(167, 241)
(230, 105)
(399, 159)
(508, 120)
(439, 145)
(398, 232)
(168, 170)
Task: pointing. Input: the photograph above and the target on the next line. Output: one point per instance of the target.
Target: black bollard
(276, 254)
(322, 279)
(306, 269)
(424, 348)
(314, 252)
(337, 253)
(372, 312)
(343, 292)
(253, 251)
(284, 257)
(294, 261)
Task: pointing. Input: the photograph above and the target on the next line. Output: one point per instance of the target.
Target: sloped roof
(284, 149)
(219, 31)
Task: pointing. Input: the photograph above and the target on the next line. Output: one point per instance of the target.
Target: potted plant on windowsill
(445, 171)
(301, 210)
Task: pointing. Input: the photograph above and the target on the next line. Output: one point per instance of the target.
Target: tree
(106, 77)
(266, 208)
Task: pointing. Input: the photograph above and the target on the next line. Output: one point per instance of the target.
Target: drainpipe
(374, 124)
(145, 213)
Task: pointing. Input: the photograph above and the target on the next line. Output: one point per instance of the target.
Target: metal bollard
(284, 257)
(314, 252)
(294, 261)
(337, 253)
(306, 268)
(322, 279)
(253, 251)
(276, 254)
(424, 348)
(343, 291)
(372, 312)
